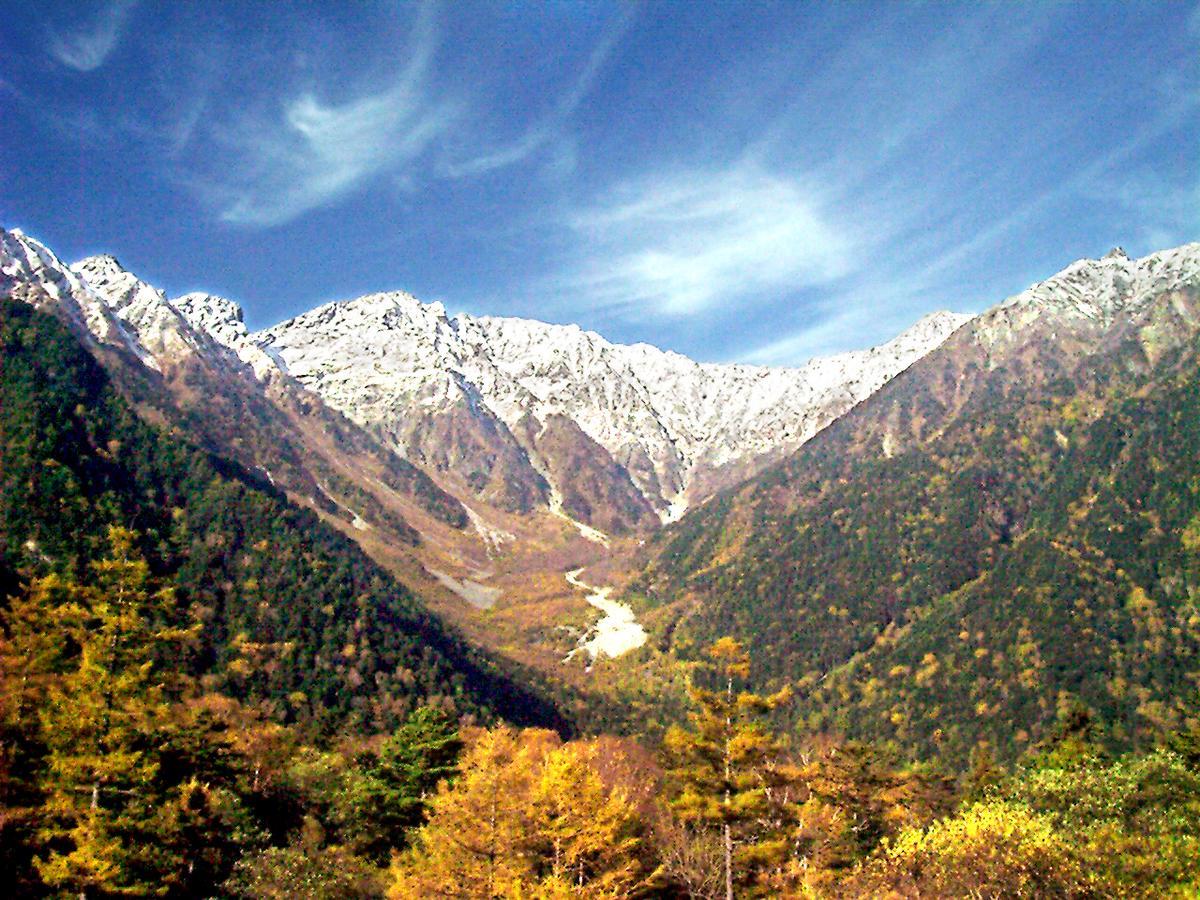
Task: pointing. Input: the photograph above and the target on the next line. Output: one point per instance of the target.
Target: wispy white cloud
(88, 46)
(549, 129)
(799, 210)
(889, 102)
(275, 168)
(1163, 211)
(884, 301)
(680, 244)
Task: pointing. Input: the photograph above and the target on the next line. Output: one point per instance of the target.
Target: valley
(952, 546)
(477, 460)
(488, 464)
(607, 450)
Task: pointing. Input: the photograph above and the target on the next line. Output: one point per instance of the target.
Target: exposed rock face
(1115, 309)
(674, 429)
(520, 414)
(160, 328)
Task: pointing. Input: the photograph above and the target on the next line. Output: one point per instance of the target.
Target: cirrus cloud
(680, 244)
(272, 168)
(87, 47)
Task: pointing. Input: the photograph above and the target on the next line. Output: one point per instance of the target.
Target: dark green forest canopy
(293, 612)
(1036, 546)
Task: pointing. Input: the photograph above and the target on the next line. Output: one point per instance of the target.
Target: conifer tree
(101, 724)
(585, 833)
(527, 817)
(33, 652)
(729, 769)
(470, 844)
(388, 797)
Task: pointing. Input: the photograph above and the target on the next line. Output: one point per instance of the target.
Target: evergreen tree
(103, 723)
(388, 797)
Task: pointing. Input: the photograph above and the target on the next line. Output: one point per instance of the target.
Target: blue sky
(747, 181)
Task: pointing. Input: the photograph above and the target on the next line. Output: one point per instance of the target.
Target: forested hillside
(293, 613)
(1006, 529)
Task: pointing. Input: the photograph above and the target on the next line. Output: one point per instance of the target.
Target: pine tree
(730, 772)
(389, 796)
(585, 834)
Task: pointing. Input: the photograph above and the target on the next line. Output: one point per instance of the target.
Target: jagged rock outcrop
(677, 430)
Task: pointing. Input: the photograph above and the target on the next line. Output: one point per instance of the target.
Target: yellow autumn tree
(528, 816)
(991, 849)
(105, 718)
(730, 774)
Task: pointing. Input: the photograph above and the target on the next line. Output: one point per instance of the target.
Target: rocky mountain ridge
(669, 430)
(516, 413)
(526, 415)
(31, 272)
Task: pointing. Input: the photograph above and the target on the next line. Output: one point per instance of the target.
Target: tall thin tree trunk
(728, 863)
(728, 799)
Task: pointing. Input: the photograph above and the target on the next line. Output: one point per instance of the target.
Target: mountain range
(505, 409)
(986, 513)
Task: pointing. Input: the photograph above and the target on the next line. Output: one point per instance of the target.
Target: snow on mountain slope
(528, 415)
(523, 413)
(234, 397)
(30, 271)
(221, 319)
(161, 330)
(677, 428)
(1091, 293)
(195, 325)
(1100, 288)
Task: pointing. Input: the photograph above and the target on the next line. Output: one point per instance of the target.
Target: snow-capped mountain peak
(524, 413)
(30, 271)
(679, 429)
(1099, 288)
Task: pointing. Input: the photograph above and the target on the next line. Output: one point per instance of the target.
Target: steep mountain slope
(656, 430)
(294, 613)
(521, 415)
(237, 403)
(987, 534)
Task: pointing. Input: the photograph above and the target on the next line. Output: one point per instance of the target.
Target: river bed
(618, 630)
